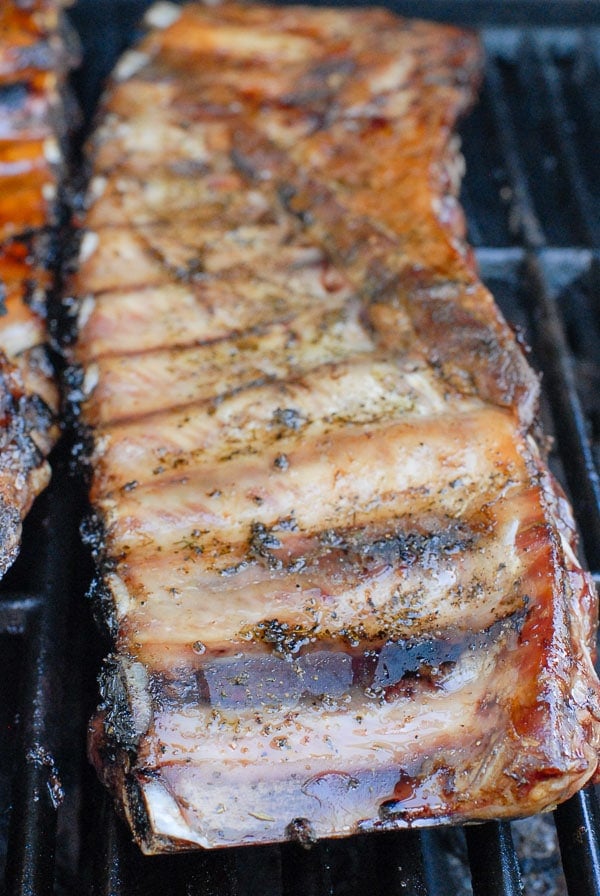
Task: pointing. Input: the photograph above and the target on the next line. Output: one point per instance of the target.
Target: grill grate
(34, 616)
(531, 193)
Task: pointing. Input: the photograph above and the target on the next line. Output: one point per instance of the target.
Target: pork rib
(35, 54)
(340, 580)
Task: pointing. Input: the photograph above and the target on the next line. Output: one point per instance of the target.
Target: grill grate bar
(485, 181)
(402, 864)
(109, 869)
(37, 788)
(570, 421)
(586, 71)
(475, 235)
(114, 869)
(493, 860)
(578, 824)
(208, 873)
(585, 206)
(30, 865)
(306, 872)
(499, 12)
(523, 219)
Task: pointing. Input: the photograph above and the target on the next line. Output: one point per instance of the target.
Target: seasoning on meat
(340, 580)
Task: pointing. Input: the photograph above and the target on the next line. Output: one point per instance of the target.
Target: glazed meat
(340, 581)
(34, 59)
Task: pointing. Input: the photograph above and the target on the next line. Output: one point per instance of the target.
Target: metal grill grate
(531, 194)
(36, 701)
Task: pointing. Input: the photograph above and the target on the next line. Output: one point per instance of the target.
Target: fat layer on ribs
(339, 578)
(35, 54)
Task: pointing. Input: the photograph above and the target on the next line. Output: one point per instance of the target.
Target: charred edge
(76, 194)
(70, 251)
(45, 54)
(35, 298)
(72, 390)
(38, 244)
(64, 323)
(103, 608)
(137, 814)
(125, 698)
(301, 831)
(42, 246)
(23, 420)
(118, 722)
(37, 414)
(42, 359)
(10, 534)
(81, 452)
(93, 534)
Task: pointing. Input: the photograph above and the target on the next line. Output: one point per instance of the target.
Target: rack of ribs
(35, 55)
(340, 581)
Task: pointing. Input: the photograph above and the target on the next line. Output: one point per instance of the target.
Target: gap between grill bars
(537, 235)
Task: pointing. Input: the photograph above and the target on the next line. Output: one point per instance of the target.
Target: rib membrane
(340, 581)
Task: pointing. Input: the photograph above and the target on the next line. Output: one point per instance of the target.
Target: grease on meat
(340, 581)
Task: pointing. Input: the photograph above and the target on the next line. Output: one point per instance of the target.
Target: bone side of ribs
(35, 56)
(340, 581)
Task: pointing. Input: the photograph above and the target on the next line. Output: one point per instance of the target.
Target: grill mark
(165, 512)
(362, 549)
(171, 464)
(396, 542)
(207, 371)
(353, 585)
(328, 674)
(280, 305)
(287, 316)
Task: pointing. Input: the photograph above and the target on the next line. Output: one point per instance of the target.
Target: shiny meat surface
(339, 579)
(33, 63)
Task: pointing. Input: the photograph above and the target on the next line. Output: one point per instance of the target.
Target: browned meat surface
(340, 581)
(33, 63)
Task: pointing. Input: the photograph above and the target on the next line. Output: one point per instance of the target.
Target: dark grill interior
(531, 193)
